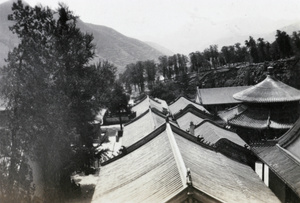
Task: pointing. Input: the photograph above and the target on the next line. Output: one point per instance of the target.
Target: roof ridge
(177, 155)
(192, 109)
(153, 119)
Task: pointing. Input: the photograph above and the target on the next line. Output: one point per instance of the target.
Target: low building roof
(219, 95)
(269, 90)
(291, 140)
(147, 102)
(181, 102)
(282, 163)
(141, 126)
(191, 114)
(212, 133)
(167, 163)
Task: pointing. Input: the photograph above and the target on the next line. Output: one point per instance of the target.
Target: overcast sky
(184, 26)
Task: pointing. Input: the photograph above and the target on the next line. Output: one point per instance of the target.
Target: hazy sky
(184, 25)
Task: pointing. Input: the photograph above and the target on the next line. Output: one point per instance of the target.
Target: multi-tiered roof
(270, 104)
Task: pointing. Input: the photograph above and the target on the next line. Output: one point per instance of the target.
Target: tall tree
(261, 49)
(284, 44)
(163, 65)
(150, 69)
(52, 94)
(251, 45)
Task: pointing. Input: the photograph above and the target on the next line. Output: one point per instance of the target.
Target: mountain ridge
(110, 45)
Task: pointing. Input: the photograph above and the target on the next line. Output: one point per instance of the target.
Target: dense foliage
(53, 95)
(173, 75)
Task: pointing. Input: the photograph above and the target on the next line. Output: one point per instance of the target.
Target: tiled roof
(291, 140)
(140, 175)
(155, 170)
(222, 177)
(147, 102)
(220, 95)
(258, 118)
(212, 133)
(282, 164)
(232, 112)
(268, 91)
(191, 114)
(181, 102)
(141, 126)
(185, 120)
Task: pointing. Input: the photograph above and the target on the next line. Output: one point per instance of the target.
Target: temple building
(171, 165)
(281, 164)
(218, 98)
(147, 102)
(267, 111)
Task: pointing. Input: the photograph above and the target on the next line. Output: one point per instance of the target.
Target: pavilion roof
(269, 90)
(155, 169)
(257, 118)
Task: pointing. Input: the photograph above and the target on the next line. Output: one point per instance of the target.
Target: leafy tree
(261, 49)
(182, 63)
(251, 45)
(296, 41)
(53, 94)
(163, 65)
(166, 91)
(284, 44)
(150, 69)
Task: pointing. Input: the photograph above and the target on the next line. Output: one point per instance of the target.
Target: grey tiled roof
(282, 163)
(222, 177)
(220, 95)
(147, 102)
(141, 126)
(155, 170)
(291, 140)
(185, 120)
(268, 91)
(181, 102)
(258, 118)
(213, 133)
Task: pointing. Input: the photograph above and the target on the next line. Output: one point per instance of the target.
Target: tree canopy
(53, 94)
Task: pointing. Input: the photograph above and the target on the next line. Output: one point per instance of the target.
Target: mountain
(160, 48)
(110, 44)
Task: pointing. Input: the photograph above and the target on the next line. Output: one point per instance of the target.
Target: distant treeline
(253, 51)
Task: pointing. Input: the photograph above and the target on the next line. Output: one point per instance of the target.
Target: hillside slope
(110, 44)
